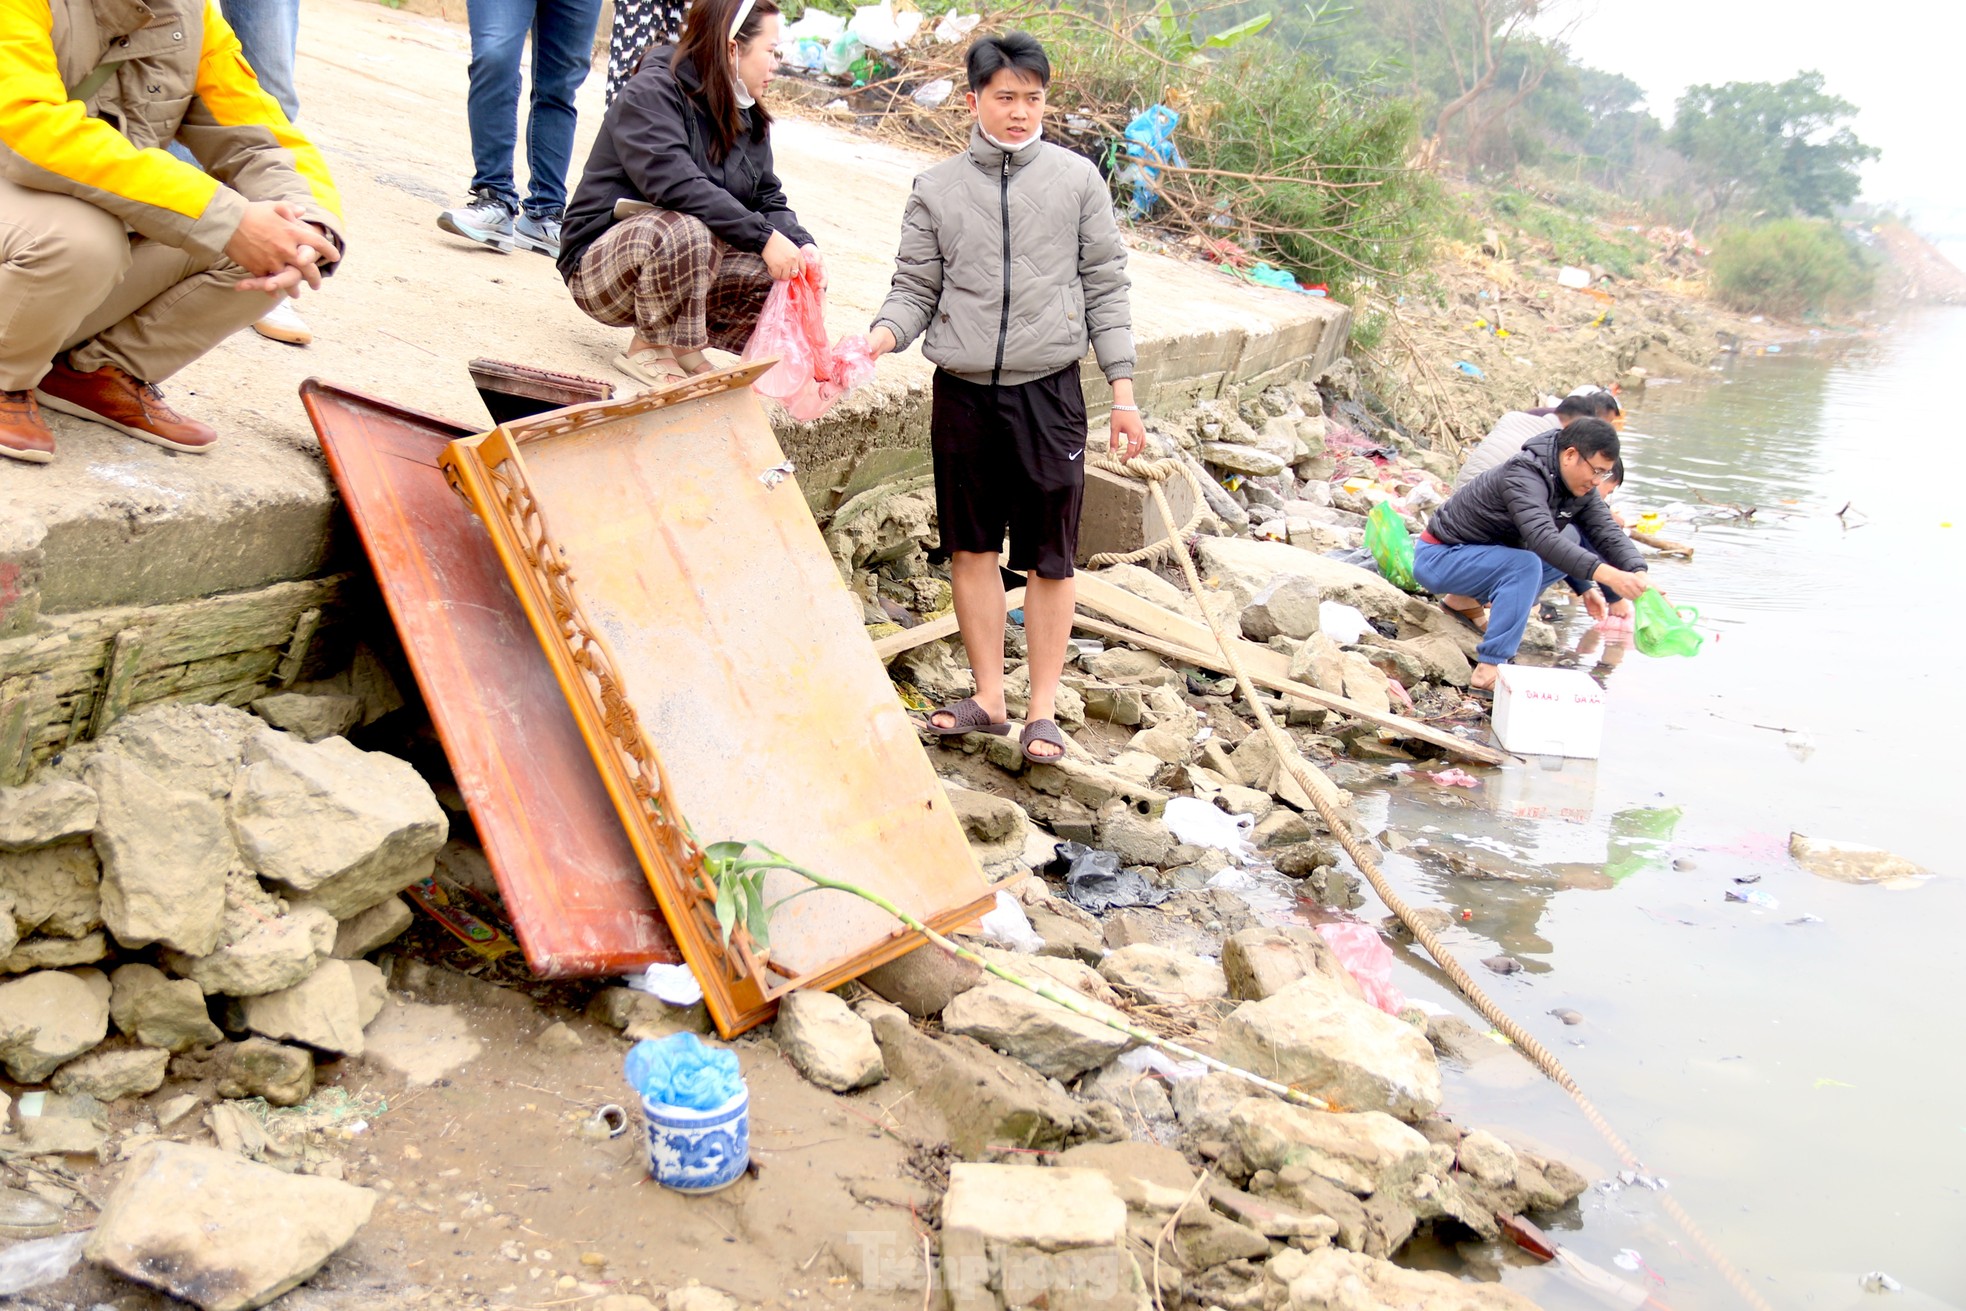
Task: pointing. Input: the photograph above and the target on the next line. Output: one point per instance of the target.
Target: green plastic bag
(1661, 629)
(1391, 546)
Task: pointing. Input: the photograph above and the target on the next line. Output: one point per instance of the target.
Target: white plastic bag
(1009, 926)
(29, 1265)
(1200, 824)
(879, 28)
(956, 27)
(1341, 623)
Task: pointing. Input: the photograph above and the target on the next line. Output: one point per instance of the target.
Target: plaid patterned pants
(664, 275)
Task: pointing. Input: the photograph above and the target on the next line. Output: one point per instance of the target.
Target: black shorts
(1011, 459)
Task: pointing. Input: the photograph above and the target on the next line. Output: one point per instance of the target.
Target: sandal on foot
(969, 717)
(1042, 730)
(650, 367)
(1476, 618)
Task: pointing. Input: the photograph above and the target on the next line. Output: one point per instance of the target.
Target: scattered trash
(1152, 1060)
(488, 940)
(1567, 1015)
(1617, 1292)
(1754, 897)
(1503, 964)
(1096, 882)
(777, 474)
(1455, 778)
(39, 1261)
(840, 56)
(810, 374)
(1527, 1236)
(933, 95)
(1806, 919)
(1342, 623)
(698, 1111)
(1627, 1259)
(956, 27)
(1469, 369)
(23, 1215)
(1364, 954)
(1738, 878)
(674, 984)
(1008, 926)
(1879, 1282)
(1573, 277)
(1148, 143)
(608, 1121)
(1192, 820)
(1639, 1179)
(880, 28)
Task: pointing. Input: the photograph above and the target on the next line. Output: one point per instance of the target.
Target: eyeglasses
(1597, 475)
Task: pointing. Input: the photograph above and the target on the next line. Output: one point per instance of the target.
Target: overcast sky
(1901, 62)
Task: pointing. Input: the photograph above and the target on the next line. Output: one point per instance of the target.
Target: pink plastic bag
(1367, 958)
(810, 374)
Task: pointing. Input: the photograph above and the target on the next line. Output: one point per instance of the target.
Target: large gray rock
(1319, 663)
(1135, 838)
(328, 1011)
(1367, 684)
(112, 1072)
(260, 955)
(219, 1232)
(191, 747)
(1165, 975)
(1239, 458)
(1287, 607)
(310, 717)
(53, 890)
(283, 1075)
(1317, 1037)
(47, 1019)
(1332, 1279)
(376, 927)
(1248, 566)
(165, 852)
(160, 1011)
(1013, 1237)
(1041, 1033)
(828, 1043)
(45, 812)
(1363, 1152)
(924, 981)
(346, 827)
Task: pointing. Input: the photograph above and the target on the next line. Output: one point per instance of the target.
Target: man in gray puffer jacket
(1011, 261)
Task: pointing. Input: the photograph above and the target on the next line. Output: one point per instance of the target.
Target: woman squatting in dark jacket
(679, 225)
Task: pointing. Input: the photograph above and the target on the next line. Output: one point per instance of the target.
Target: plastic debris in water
(1455, 778)
(777, 474)
(1627, 1259)
(1879, 1282)
(1754, 897)
(1639, 1179)
(1503, 964)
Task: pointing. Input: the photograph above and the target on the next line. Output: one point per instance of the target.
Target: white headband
(737, 23)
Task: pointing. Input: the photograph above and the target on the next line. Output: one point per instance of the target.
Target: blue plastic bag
(680, 1071)
(1148, 145)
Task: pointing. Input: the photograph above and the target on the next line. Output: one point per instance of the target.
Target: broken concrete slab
(160, 1011)
(345, 827)
(47, 1019)
(165, 853)
(1118, 514)
(1041, 1033)
(829, 1044)
(51, 810)
(1317, 1037)
(219, 1232)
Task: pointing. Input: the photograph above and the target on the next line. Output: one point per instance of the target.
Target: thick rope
(1328, 801)
(1154, 472)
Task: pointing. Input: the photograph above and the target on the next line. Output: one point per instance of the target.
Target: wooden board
(569, 877)
(886, 648)
(1191, 640)
(721, 674)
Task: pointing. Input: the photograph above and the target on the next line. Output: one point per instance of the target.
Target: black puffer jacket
(1524, 503)
(653, 147)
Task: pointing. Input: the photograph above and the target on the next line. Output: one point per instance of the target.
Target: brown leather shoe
(24, 434)
(112, 396)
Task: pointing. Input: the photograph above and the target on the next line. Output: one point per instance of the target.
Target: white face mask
(1009, 149)
(744, 97)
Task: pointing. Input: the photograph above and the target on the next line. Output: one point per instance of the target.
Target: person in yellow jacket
(120, 264)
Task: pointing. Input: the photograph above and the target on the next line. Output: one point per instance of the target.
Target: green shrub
(1790, 266)
(1573, 238)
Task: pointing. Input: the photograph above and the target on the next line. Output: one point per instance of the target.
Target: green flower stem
(1070, 1000)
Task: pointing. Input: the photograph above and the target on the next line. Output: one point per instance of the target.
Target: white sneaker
(281, 323)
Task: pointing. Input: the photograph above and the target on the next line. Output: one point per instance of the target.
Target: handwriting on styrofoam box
(1561, 698)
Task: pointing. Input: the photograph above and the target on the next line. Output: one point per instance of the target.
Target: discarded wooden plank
(1663, 546)
(295, 658)
(1212, 659)
(578, 900)
(119, 678)
(700, 630)
(886, 648)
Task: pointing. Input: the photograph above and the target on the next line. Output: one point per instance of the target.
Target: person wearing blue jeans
(562, 34)
(1500, 539)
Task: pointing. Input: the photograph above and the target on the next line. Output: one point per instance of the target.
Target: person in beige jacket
(120, 264)
(1011, 263)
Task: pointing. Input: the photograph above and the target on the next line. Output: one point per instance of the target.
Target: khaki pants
(73, 277)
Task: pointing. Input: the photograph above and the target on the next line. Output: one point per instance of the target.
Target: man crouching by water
(1499, 539)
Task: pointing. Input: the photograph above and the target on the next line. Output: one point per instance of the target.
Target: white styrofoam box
(1548, 712)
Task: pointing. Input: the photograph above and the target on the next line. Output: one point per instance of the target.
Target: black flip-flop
(1042, 730)
(1468, 616)
(969, 717)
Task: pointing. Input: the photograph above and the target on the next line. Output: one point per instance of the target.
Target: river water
(1793, 1072)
